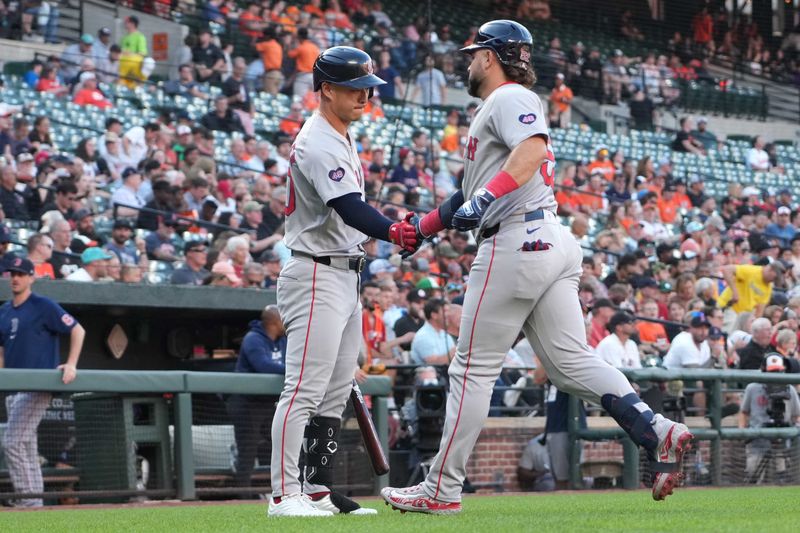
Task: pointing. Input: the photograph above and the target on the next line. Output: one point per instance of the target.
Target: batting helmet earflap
(511, 41)
(347, 66)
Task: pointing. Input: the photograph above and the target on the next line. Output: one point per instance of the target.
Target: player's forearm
(527, 155)
(359, 215)
(75, 345)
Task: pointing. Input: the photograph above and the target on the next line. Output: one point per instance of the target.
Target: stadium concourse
(181, 178)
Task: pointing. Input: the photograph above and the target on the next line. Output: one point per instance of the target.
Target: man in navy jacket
(263, 351)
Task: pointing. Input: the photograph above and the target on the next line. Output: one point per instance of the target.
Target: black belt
(530, 216)
(353, 263)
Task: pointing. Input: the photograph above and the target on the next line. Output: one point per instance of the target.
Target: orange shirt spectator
(668, 206)
(450, 143)
(304, 56)
(290, 126)
(561, 96)
(311, 101)
(315, 10)
(43, 270)
(703, 27)
(564, 197)
(373, 110)
(606, 167)
(340, 19)
(271, 54)
(651, 332)
(250, 23)
(90, 95)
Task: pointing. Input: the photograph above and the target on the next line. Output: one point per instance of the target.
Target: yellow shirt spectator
(752, 283)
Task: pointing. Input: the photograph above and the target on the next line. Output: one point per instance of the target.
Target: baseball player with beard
(525, 277)
(327, 220)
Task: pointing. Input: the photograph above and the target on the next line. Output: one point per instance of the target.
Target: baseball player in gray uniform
(525, 277)
(327, 220)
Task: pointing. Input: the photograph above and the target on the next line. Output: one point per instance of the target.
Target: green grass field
(769, 509)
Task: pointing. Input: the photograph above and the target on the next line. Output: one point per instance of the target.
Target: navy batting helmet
(511, 41)
(347, 66)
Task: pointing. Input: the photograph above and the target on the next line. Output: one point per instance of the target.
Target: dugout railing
(713, 431)
(165, 403)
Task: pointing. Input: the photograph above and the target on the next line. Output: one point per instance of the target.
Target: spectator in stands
(405, 172)
(685, 142)
(49, 82)
(261, 237)
(757, 157)
(237, 249)
(292, 123)
(618, 349)
(602, 311)
(304, 52)
(783, 228)
(283, 146)
(749, 287)
(254, 276)
(703, 31)
(603, 163)
(560, 103)
(394, 86)
(129, 253)
(696, 193)
(102, 44)
(643, 110)
(263, 351)
(705, 137)
(222, 118)
(94, 262)
(250, 22)
(63, 261)
(13, 201)
(752, 355)
(272, 267)
(63, 200)
(159, 244)
(238, 96)
(193, 270)
(690, 349)
(431, 85)
(185, 84)
(134, 41)
(40, 250)
(615, 78)
(432, 345)
(33, 75)
(29, 338)
(652, 334)
(627, 27)
(108, 66)
(272, 59)
(74, 54)
(126, 195)
(197, 193)
(208, 59)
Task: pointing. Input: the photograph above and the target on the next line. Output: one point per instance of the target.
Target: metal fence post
(716, 422)
(630, 466)
(184, 459)
(381, 416)
(575, 478)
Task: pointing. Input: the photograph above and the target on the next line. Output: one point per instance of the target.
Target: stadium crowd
(712, 280)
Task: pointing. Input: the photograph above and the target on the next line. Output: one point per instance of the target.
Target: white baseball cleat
(339, 503)
(674, 441)
(415, 500)
(297, 504)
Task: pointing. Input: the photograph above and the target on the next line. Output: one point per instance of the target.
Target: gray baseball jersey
(324, 166)
(510, 115)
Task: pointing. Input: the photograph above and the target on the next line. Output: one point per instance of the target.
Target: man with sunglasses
(30, 326)
(193, 271)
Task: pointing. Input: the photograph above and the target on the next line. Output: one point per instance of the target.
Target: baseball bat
(371, 441)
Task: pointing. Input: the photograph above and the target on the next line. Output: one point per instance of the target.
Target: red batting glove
(404, 234)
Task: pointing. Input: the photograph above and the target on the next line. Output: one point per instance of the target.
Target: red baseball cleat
(415, 500)
(675, 442)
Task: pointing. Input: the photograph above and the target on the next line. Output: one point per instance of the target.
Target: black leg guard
(320, 444)
(635, 417)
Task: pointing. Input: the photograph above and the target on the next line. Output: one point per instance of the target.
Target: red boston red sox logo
(472, 146)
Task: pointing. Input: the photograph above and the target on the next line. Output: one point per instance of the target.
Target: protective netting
(87, 447)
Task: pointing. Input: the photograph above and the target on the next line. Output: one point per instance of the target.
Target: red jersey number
(548, 168)
(472, 146)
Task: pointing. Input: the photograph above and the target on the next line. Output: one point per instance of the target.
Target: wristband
(431, 223)
(502, 183)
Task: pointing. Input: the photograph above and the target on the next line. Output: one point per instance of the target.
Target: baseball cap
(453, 287)
(620, 317)
(269, 256)
(123, 223)
(86, 76)
(194, 245)
(87, 38)
(695, 178)
(92, 254)
(715, 333)
(702, 120)
(226, 269)
(648, 282)
(415, 296)
(21, 265)
(381, 265)
(104, 31)
(128, 172)
(445, 249)
(783, 210)
(774, 363)
(80, 214)
(422, 265)
(428, 284)
(751, 191)
(183, 129)
(665, 286)
(699, 320)
(601, 303)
